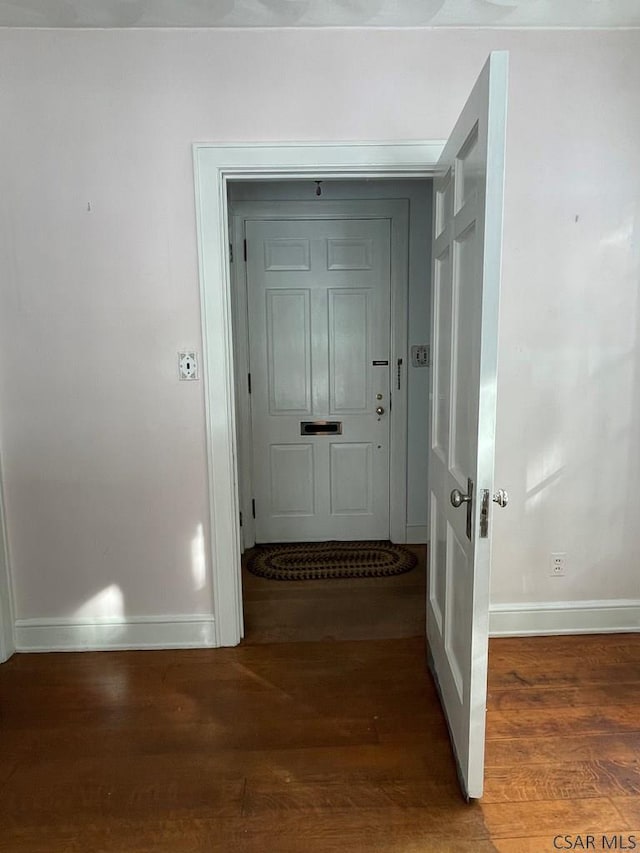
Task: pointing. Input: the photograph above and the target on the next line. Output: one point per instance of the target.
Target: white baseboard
(143, 632)
(417, 534)
(564, 617)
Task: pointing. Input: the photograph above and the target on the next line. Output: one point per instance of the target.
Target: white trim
(7, 633)
(417, 534)
(244, 437)
(432, 28)
(564, 617)
(397, 212)
(143, 632)
(214, 165)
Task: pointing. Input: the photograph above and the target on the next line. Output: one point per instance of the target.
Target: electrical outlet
(558, 564)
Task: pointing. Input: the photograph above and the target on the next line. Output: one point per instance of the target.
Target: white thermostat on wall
(187, 365)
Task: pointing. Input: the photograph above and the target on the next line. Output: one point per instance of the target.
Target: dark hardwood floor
(360, 609)
(315, 747)
(563, 742)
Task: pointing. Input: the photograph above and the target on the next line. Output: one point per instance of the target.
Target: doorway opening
(215, 166)
(330, 298)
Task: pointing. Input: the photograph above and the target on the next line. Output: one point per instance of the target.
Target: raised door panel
(443, 204)
(349, 351)
(437, 563)
(282, 254)
(288, 316)
(351, 486)
(469, 170)
(292, 479)
(349, 254)
(442, 348)
(466, 344)
(456, 627)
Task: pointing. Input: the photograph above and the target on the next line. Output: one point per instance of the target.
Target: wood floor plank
(404, 833)
(356, 826)
(437, 791)
(550, 817)
(564, 697)
(569, 780)
(564, 673)
(505, 752)
(542, 723)
(629, 808)
(276, 732)
(40, 793)
(622, 646)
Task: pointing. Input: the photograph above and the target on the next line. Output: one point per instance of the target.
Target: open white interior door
(468, 195)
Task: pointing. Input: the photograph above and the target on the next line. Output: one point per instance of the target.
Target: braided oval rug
(303, 561)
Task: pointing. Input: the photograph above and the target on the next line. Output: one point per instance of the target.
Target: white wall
(104, 448)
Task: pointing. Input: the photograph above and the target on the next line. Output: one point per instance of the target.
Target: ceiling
(320, 13)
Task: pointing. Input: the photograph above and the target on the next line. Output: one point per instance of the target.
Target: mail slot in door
(320, 427)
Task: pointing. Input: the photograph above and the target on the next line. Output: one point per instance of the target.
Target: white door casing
(214, 166)
(468, 209)
(319, 309)
(7, 619)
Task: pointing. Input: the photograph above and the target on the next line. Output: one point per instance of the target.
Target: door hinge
(253, 507)
(428, 355)
(245, 251)
(231, 253)
(240, 519)
(249, 382)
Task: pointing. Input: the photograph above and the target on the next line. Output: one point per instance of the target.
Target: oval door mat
(303, 561)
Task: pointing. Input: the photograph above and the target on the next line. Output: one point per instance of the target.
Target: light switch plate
(187, 365)
(420, 355)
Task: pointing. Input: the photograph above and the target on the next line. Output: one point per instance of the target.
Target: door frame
(214, 166)
(397, 212)
(7, 607)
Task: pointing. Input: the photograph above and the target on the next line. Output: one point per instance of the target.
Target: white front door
(319, 351)
(466, 281)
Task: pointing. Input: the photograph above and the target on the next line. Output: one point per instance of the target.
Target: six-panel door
(466, 283)
(319, 341)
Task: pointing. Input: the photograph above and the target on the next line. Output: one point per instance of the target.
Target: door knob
(501, 497)
(379, 410)
(457, 498)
